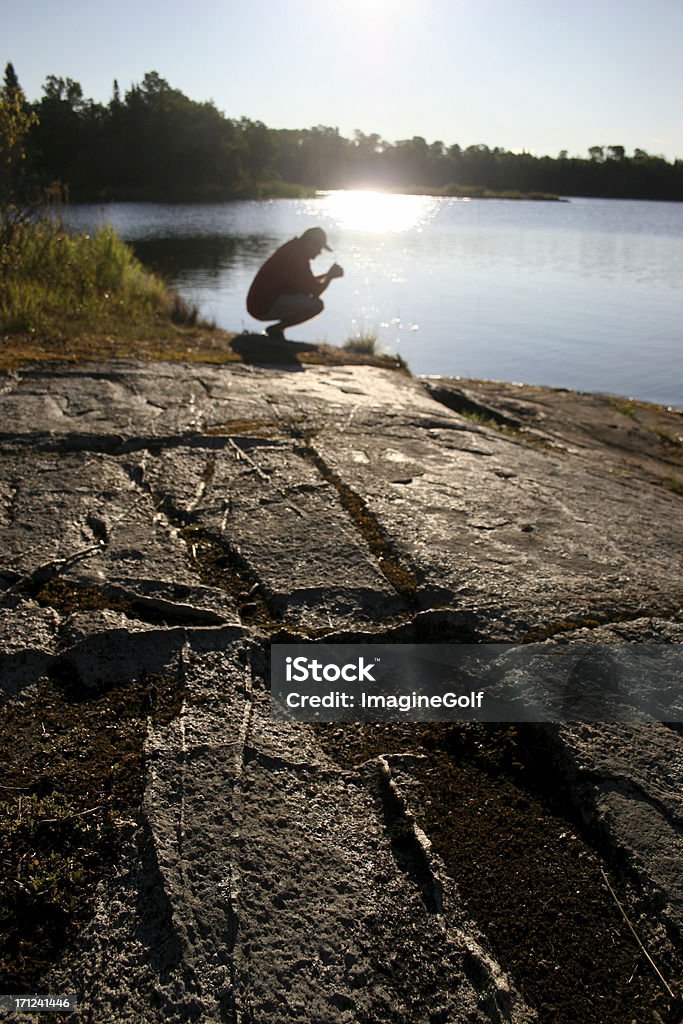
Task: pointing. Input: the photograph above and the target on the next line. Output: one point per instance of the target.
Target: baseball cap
(318, 236)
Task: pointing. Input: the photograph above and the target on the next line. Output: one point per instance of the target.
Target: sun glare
(377, 212)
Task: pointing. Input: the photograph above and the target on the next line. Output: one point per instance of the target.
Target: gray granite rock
(176, 518)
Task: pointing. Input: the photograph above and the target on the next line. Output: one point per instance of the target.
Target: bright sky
(538, 75)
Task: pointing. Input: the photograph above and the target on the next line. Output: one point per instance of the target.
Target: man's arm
(324, 279)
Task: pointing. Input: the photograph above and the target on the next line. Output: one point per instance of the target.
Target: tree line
(153, 142)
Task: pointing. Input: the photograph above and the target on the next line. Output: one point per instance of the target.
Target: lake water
(580, 294)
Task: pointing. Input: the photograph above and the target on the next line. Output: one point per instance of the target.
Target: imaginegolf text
(380, 701)
(413, 701)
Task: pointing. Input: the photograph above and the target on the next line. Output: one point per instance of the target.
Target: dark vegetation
(153, 142)
(71, 793)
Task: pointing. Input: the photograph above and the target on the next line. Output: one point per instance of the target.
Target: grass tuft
(364, 343)
(626, 408)
(674, 484)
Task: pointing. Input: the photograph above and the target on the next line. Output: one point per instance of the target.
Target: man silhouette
(285, 289)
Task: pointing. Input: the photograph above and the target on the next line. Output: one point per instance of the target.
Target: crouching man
(285, 289)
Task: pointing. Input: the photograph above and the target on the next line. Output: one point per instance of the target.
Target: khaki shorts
(294, 305)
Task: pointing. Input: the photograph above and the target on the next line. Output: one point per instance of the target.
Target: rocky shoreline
(162, 524)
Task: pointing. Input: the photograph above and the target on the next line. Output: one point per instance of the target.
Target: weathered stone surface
(629, 781)
(264, 884)
(174, 518)
(521, 535)
(331, 929)
(168, 912)
(521, 529)
(285, 523)
(28, 643)
(85, 505)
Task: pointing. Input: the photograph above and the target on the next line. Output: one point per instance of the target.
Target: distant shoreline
(285, 190)
(288, 190)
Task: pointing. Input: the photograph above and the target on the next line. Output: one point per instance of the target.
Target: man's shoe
(275, 333)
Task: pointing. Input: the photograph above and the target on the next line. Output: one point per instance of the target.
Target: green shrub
(52, 282)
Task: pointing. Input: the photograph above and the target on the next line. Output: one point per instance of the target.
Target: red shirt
(286, 272)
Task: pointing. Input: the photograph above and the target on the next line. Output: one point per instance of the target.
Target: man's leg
(290, 310)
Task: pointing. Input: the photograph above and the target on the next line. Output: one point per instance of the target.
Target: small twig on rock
(67, 817)
(649, 959)
(48, 570)
(241, 454)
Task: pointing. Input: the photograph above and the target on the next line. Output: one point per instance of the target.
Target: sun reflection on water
(377, 213)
